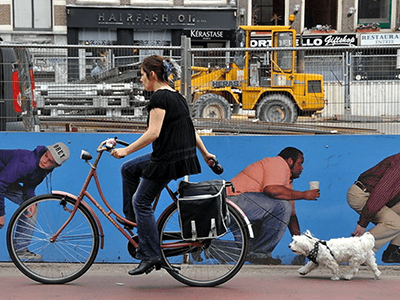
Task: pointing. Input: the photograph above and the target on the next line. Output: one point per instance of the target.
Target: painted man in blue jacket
(21, 171)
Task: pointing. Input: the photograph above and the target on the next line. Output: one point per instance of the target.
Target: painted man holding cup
(264, 191)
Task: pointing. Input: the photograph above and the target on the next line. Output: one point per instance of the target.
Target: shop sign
(150, 18)
(330, 40)
(380, 39)
(197, 34)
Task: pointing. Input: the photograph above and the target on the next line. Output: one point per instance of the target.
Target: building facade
(124, 22)
(209, 23)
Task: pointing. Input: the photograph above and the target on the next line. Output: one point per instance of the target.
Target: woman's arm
(203, 150)
(156, 120)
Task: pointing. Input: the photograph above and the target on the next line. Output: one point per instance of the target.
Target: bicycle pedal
(149, 270)
(127, 226)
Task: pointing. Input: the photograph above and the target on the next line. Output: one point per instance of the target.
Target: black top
(174, 151)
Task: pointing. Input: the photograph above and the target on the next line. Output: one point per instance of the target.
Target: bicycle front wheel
(35, 252)
(212, 261)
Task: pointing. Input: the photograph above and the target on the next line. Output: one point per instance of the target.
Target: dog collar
(314, 252)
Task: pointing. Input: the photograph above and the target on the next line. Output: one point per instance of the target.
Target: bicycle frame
(128, 235)
(84, 192)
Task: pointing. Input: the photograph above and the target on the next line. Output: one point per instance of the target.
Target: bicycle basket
(203, 212)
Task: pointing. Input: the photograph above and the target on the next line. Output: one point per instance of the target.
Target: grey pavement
(111, 281)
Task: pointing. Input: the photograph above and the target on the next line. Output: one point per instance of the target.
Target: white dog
(354, 250)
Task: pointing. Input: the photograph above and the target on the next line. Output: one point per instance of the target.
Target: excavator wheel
(212, 106)
(277, 108)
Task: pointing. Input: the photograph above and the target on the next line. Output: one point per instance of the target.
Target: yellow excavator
(266, 81)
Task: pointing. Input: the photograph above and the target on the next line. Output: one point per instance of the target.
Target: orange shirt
(262, 173)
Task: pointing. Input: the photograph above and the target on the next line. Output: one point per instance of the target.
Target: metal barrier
(94, 85)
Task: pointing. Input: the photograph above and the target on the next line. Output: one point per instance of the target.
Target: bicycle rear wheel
(30, 245)
(214, 262)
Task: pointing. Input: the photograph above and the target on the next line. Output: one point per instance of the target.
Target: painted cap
(60, 152)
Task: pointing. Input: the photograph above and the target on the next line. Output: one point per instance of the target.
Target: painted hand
(32, 211)
(2, 222)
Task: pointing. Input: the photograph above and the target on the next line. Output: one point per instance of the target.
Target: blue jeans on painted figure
(138, 196)
(269, 218)
(25, 225)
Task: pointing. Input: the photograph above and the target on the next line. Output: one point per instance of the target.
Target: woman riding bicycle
(174, 141)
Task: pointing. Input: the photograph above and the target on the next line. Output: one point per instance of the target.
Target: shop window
(205, 2)
(153, 2)
(97, 36)
(97, 59)
(321, 15)
(268, 12)
(374, 11)
(97, 2)
(32, 14)
(152, 38)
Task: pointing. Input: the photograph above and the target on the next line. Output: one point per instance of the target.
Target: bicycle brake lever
(110, 144)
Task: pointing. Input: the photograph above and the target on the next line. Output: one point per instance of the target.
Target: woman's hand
(209, 159)
(119, 153)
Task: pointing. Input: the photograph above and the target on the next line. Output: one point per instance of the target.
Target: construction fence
(302, 90)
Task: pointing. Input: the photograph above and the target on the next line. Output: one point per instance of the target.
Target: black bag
(203, 212)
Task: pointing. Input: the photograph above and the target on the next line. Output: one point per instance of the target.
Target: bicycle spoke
(56, 259)
(214, 262)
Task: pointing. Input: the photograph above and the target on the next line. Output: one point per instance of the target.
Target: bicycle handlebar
(123, 143)
(110, 144)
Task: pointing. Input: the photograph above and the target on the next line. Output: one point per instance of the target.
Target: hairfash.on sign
(146, 18)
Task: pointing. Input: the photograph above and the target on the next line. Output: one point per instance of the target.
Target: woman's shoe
(146, 266)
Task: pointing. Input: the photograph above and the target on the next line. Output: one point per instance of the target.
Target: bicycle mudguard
(241, 212)
(72, 196)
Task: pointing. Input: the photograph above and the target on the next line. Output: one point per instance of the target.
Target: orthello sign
(150, 18)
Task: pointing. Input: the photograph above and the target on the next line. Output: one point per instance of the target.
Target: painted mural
(348, 170)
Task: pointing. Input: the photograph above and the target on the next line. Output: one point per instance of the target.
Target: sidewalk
(111, 281)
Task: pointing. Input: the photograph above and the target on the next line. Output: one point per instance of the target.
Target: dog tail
(367, 240)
